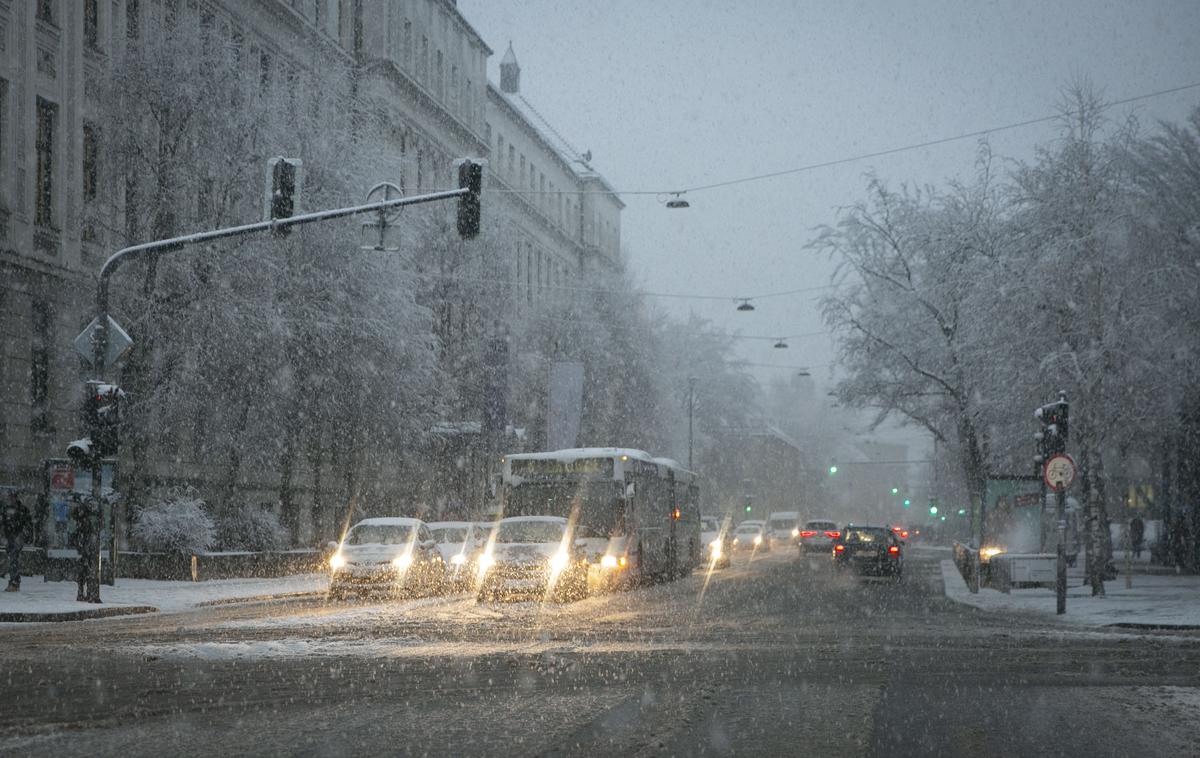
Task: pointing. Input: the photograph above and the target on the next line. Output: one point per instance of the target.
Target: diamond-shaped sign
(119, 342)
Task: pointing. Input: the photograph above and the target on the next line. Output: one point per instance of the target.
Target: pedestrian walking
(86, 541)
(15, 525)
(1137, 535)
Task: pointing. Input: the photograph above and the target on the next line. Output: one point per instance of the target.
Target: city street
(768, 656)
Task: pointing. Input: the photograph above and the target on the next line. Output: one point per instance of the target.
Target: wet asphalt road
(767, 657)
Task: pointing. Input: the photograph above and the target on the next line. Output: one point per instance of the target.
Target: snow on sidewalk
(41, 597)
(1154, 600)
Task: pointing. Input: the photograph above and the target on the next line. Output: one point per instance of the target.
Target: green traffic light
(933, 510)
(748, 508)
(832, 470)
(895, 490)
(962, 511)
(907, 502)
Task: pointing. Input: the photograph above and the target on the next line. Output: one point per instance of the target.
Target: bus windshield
(600, 504)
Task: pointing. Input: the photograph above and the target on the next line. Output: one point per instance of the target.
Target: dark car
(869, 551)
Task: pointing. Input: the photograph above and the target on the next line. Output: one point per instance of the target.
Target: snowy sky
(676, 93)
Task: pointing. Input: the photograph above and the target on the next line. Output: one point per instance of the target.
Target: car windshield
(860, 535)
(529, 531)
(380, 534)
(754, 529)
(444, 534)
(709, 525)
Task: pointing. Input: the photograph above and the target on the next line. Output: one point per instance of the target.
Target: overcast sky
(677, 93)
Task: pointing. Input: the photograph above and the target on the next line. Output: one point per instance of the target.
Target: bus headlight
(336, 561)
(486, 561)
(402, 561)
(458, 559)
(608, 562)
(559, 561)
(758, 539)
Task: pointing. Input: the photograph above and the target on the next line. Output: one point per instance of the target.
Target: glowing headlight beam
(458, 559)
(608, 562)
(403, 561)
(336, 561)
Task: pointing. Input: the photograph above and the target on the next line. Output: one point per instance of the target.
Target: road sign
(382, 233)
(119, 342)
(1059, 472)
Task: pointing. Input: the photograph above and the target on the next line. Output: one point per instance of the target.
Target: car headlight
(559, 561)
(486, 561)
(736, 540)
(758, 539)
(458, 559)
(402, 561)
(990, 552)
(714, 548)
(795, 532)
(608, 562)
(336, 561)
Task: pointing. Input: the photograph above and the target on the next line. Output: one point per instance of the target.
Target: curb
(1152, 627)
(259, 598)
(97, 613)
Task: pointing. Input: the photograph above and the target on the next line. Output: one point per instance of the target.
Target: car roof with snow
(578, 453)
(746, 526)
(449, 524)
(390, 521)
(514, 519)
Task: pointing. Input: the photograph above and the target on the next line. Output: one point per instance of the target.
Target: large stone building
(420, 81)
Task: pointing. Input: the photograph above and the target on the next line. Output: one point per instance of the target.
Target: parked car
(817, 537)
(460, 543)
(783, 528)
(750, 536)
(869, 551)
(396, 556)
(533, 556)
(717, 538)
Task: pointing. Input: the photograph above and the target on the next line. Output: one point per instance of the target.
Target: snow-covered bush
(177, 523)
(251, 527)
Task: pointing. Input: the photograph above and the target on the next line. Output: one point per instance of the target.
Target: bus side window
(618, 517)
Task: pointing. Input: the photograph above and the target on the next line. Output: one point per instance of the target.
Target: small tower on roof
(510, 72)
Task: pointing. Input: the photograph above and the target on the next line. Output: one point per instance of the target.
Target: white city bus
(638, 516)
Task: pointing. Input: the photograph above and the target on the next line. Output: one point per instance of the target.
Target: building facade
(420, 81)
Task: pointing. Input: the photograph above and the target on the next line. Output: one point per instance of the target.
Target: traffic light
(907, 502)
(470, 176)
(283, 188)
(895, 490)
(832, 470)
(962, 511)
(1052, 439)
(101, 419)
(933, 509)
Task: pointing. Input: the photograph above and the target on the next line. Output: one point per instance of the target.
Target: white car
(396, 556)
(717, 538)
(750, 536)
(460, 543)
(533, 556)
(783, 528)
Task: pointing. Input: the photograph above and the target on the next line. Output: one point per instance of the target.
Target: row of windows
(433, 68)
(557, 206)
(537, 271)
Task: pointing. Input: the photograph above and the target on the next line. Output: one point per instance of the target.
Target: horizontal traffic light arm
(160, 247)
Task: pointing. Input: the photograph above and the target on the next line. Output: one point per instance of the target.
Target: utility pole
(691, 417)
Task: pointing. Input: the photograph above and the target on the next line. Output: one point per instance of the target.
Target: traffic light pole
(1060, 568)
(161, 247)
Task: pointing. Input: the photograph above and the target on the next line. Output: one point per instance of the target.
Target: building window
(132, 19)
(439, 85)
(3, 127)
(91, 24)
(408, 38)
(45, 11)
(91, 161)
(39, 368)
(512, 161)
(264, 73)
(358, 27)
(528, 276)
(44, 144)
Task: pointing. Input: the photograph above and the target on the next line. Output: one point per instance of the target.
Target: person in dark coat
(86, 541)
(1137, 535)
(15, 525)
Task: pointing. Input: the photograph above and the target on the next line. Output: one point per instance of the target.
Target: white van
(783, 528)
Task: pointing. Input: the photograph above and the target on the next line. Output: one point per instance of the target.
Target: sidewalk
(1154, 602)
(39, 600)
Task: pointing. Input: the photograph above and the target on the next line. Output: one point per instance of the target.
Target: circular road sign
(1059, 472)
